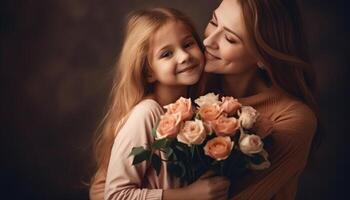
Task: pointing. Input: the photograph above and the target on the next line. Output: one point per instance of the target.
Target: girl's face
(226, 42)
(175, 57)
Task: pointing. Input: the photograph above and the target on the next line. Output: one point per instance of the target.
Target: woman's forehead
(229, 14)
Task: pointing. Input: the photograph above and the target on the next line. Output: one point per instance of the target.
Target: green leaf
(161, 144)
(169, 152)
(142, 156)
(156, 163)
(182, 147)
(193, 151)
(136, 150)
(154, 132)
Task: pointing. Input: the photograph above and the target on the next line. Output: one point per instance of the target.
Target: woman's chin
(211, 68)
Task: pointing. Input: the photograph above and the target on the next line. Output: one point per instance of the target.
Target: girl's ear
(150, 77)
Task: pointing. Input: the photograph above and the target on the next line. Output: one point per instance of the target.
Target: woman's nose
(211, 40)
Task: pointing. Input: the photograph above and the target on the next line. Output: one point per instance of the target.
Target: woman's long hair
(130, 85)
(276, 31)
(276, 35)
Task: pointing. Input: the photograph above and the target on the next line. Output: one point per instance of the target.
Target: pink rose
(193, 132)
(225, 126)
(230, 105)
(169, 126)
(251, 144)
(209, 112)
(219, 147)
(183, 106)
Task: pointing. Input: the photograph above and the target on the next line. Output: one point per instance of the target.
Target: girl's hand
(209, 186)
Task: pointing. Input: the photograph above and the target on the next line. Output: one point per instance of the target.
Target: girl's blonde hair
(130, 85)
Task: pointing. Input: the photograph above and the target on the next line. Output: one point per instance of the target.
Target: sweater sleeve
(124, 180)
(292, 134)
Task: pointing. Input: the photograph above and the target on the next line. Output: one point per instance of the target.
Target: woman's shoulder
(292, 107)
(295, 116)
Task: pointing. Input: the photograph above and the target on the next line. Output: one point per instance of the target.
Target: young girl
(161, 57)
(256, 52)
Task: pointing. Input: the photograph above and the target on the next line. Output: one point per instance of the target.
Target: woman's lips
(210, 56)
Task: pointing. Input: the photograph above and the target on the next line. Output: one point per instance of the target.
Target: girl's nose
(183, 56)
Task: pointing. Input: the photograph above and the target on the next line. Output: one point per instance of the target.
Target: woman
(256, 53)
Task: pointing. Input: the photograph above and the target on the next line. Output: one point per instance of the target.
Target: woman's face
(226, 43)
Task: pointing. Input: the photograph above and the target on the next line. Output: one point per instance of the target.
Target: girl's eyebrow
(227, 29)
(162, 48)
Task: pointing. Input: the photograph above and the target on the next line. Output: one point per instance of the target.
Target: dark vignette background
(56, 58)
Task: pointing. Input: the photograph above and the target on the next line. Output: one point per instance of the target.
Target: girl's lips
(210, 56)
(187, 69)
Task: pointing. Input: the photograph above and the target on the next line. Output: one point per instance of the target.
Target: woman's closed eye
(213, 22)
(230, 39)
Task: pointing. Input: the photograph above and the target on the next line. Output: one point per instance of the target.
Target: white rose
(193, 132)
(251, 144)
(209, 98)
(264, 165)
(248, 116)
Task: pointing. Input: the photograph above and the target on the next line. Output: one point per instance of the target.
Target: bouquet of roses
(216, 135)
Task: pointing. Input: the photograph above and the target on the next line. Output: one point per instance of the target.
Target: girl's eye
(230, 40)
(165, 54)
(188, 44)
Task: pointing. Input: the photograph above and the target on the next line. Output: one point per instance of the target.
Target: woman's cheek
(230, 53)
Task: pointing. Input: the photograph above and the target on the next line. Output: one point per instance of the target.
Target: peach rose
(225, 126)
(183, 106)
(169, 126)
(219, 147)
(192, 132)
(251, 144)
(248, 116)
(208, 99)
(209, 112)
(230, 105)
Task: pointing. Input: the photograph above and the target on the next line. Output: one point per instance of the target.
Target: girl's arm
(292, 136)
(124, 180)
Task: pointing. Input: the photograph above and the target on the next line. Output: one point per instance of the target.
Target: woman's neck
(243, 85)
(165, 94)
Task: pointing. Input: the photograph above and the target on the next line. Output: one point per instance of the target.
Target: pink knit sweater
(124, 180)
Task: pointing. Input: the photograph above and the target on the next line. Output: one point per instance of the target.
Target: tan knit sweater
(294, 125)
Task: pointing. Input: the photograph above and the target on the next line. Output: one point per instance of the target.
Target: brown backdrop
(56, 58)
